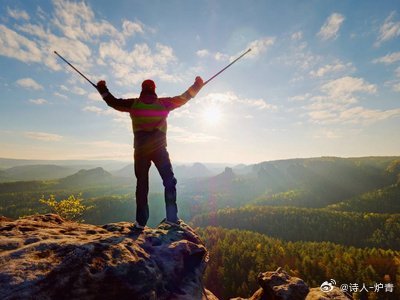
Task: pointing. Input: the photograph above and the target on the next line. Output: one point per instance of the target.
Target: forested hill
(312, 182)
(311, 224)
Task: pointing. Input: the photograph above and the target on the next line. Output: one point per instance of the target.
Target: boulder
(279, 285)
(336, 293)
(47, 257)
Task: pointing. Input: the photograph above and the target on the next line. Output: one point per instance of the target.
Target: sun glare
(212, 115)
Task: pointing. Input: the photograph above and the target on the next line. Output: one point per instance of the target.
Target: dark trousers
(160, 158)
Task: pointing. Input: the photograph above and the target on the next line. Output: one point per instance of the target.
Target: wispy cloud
(296, 36)
(202, 53)
(95, 96)
(344, 88)
(131, 67)
(39, 101)
(60, 95)
(331, 27)
(77, 21)
(258, 47)
(338, 103)
(232, 98)
(121, 118)
(334, 68)
(43, 136)
(396, 87)
(389, 29)
(397, 72)
(29, 83)
(185, 136)
(17, 46)
(17, 14)
(388, 59)
(130, 28)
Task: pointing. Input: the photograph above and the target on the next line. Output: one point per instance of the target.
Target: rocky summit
(47, 257)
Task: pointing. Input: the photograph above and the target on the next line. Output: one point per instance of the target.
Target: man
(149, 123)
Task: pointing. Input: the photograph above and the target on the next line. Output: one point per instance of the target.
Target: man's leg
(164, 167)
(142, 166)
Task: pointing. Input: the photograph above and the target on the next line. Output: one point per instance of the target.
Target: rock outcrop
(279, 285)
(46, 257)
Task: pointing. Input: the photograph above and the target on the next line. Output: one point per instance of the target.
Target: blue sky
(322, 79)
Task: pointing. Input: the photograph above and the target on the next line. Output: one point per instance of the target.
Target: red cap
(148, 85)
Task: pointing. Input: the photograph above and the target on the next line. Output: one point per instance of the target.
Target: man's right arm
(118, 104)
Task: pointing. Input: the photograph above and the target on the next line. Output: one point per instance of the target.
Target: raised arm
(118, 104)
(177, 101)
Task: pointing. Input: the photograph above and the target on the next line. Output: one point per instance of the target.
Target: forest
(318, 218)
(314, 262)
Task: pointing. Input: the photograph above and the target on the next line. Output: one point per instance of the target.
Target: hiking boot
(171, 223)
(137, 228)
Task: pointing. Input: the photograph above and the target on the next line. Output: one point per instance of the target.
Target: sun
(212, 115)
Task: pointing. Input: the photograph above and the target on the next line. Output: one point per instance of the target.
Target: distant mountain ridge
(96, 176)
(37, 172)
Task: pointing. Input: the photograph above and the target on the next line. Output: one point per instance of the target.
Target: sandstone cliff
(46, 257)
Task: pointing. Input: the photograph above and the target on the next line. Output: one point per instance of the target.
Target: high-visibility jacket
(149, 114)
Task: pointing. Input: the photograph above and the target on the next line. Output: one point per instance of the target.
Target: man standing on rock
(149, 123)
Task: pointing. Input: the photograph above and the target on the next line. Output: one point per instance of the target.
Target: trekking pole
(95, 86)
(207, 81)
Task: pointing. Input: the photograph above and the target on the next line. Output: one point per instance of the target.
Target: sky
(322, 78)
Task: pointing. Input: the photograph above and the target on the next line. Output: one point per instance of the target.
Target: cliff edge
(46, 257)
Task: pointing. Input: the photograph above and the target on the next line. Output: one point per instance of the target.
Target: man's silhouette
(149, 123)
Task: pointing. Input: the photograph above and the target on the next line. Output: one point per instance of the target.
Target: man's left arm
(177, 101)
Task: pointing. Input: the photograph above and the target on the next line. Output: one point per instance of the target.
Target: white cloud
(396, 87)
(388, 59)
(345, 87)
(43, 136)
(60, 95)
(184, 136)
(16, 46)
(95, 96)
(130, 28)
(17, 14)
(29, 83)
(41, 13)
(397, 72)
(300, 97)
(337, 103)
(297, 36)
(121, 118)
(362, 115)
(331, 27)
(299, 55)
(78, 91)
(77, 21)
(140, 63)
(389, 29)
(73, 50)
(221, 56)
(95, 109)
(260, 46)
(202, 53)
(336, 67)
(232, 98)
(38, 101)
